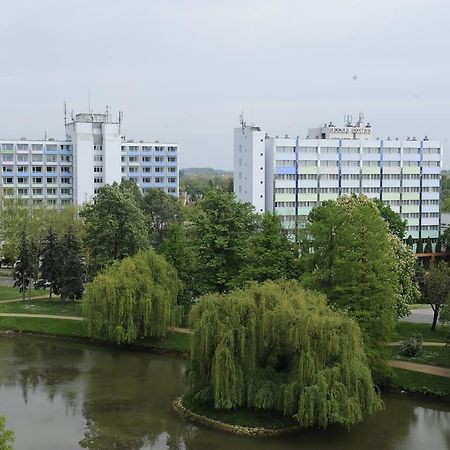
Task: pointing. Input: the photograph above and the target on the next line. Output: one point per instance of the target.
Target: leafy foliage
(222, 236)
(275, 346)
(132, 299)
(6, 436)
(50, 269)
(419, 247)
(348, 255)
(162, 210)
(411, 347)
(408, 291)
(115, 226)
(437, 289)
(271, 255)
(397, 226)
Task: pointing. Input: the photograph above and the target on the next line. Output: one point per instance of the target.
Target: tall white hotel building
(93, 153)
(289, 176)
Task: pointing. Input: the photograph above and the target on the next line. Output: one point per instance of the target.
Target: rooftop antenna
(45, 135)
(360, 119)
(65, 113)
(107, 113)
(89, 101)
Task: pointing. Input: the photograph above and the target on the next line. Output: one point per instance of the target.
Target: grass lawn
(42, 307)
(404, 330)
(435, 356)
(70, 328)
(242, 416)
(174, 342)
(9, 293)
(422, 383)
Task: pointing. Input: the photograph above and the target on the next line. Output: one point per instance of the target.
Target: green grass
(174, 342)
(242, 416)
(43, 307)
(435, 356)
(420, 383)
(9, 293)
(407, 329)
(421, 306)
(72, 328)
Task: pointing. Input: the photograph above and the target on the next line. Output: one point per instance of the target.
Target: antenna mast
(65, 113)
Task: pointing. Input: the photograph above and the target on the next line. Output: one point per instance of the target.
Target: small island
(273, 358)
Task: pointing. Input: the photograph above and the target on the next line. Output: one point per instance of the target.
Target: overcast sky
(183, 70)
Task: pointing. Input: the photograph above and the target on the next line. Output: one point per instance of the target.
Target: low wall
(229, 428)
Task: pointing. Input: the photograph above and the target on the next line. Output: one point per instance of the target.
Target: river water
(66, 395)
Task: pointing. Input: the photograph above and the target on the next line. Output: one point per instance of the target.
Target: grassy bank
(420, 383)
(405, 330)
(435, 356)
(9, 293)
(43, 307)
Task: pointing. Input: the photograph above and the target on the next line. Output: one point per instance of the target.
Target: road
(424, 315)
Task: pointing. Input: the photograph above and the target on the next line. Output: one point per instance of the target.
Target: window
(51, 180)
(133, 169)
(21, 158)
(98, 169)
(161, 159)
(22, 147)
(146, 159)
(37, 180)
(66, 180)
(64, 169)
(159, 169)
(8, 157)
(51, 191)
(37, 169)
(7, 146)
(7, 180)
(172, 149)
(98, 158)
(98, 180)
(51, 158)
(37, 191)
(7, 169)
(133, 159)
(36, 147)
(66, 191)
(22, 180)
(171, 159)
(146, 180)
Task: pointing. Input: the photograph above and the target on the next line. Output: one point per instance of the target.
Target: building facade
(72, 170)
(290, 176)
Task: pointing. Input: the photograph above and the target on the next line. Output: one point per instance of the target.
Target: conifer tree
(428, 246)
(50, 263)
(419, 247)
(22, 269)
(34, 258)
(438, 247)
(73, 271)
(410, 241)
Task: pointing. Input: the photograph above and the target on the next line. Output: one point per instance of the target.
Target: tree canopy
(132, 299)
(437, 290)
(275, 346)
(349, 256)
(222, 233)
(6, 436)
(397, 226)
(115, 226)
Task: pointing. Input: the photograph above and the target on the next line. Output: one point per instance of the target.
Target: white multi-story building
(93, 154)
(289, 176)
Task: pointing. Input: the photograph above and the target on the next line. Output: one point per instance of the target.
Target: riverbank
(178, 343)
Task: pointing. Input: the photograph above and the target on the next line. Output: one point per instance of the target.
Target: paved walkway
(426, 344)
(423, 368)
(422, 315)
(41, 316)
(14, 300)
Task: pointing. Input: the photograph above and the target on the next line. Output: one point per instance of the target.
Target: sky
(184, 70)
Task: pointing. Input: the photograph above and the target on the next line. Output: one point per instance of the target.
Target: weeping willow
(274, 346)
(133, 299)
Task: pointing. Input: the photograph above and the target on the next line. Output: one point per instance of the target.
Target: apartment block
(93, 153)
(290, 176)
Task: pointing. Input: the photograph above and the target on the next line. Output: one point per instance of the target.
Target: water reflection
(65, 395)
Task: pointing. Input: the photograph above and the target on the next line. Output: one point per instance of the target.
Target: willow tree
(274, 346)
(133, 299)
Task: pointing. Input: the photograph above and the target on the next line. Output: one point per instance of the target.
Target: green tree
(410, 241)
(34, 259)
(397, 226)
(72, 271)
(115, 227)
(50, 263)
(271, 254)
(437, 289)
(428, 246)
(6, 436)
(178, 251)
(22, 267)
(350, 258)
(133, 299)
(162, 210)
(222, 236)
(408, 291)
(438, 247)
(274, 346)
(419, 247)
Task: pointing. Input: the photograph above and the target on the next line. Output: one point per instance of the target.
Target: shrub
(411, 347)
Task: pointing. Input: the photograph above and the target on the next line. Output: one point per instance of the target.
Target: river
(60, 395)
